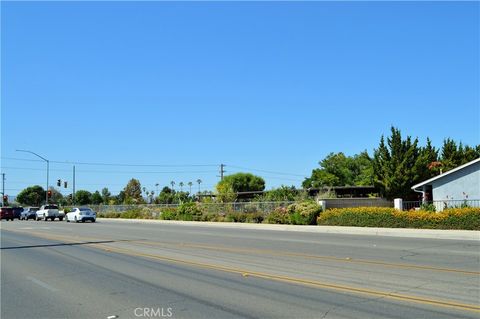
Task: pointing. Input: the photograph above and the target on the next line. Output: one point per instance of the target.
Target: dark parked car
(6, 213)
(17, 211)
(29, 213)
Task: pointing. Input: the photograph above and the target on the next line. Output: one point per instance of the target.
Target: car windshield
(85, 209)
(51, 207)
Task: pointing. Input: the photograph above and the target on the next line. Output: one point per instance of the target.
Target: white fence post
(323, 204)
(398, 203)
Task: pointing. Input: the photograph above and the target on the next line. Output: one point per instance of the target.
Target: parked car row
(46, 212)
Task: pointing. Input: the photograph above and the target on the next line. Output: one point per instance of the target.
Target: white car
(81, 214)
(49, 211)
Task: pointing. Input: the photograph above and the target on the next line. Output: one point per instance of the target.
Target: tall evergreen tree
(427, 157)
(451, 157)
(454, 156)
(395, 165)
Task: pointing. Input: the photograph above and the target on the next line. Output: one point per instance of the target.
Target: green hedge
(309, 213)
(454, 218)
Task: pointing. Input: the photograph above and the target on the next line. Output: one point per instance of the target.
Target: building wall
(458, 185)
(356, 202)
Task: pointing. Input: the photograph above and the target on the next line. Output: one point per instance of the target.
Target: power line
(266, 171)
(114, 164)
(113, 172)
(157, 165)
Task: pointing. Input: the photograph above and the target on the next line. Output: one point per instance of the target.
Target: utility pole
(222, 171)
(73, 193)
(3, 189)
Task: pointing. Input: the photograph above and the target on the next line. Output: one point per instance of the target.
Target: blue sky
(266, 86)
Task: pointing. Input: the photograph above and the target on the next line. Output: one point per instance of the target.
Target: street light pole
(48, 169)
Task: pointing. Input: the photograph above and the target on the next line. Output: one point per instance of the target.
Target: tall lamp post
(48, 169)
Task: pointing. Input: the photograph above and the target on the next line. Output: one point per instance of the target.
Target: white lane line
(42, 284)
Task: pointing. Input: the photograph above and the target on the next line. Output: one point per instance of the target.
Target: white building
(455, 186)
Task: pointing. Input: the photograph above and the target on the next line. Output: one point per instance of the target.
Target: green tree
(166, 196)
(199, 181)
(282, 193)
(394, 166)
(454, 155)
(340, 170)
(362, 169)
(133, 192)
(243, 182)
(106, 195)
(451, 155)
(31, 196)
(225, 193)
(97, 198)
(428, 156)
(83, 197)
(190, 184)
(471, 153)
(237, 183)
(118, 199)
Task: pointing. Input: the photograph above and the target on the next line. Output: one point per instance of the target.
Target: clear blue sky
(269, 86)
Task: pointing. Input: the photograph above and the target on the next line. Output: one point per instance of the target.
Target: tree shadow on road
(65, 244)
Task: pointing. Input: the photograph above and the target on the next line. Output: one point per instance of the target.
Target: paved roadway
(132, 270)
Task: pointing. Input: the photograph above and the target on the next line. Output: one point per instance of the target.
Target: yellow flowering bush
(453, 218)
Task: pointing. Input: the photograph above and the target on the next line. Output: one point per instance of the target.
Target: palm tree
(173, 185)
(199, 181)
(181, 186)
(190, 184)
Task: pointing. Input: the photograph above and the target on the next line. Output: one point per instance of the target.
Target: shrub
(278, 216)
(108, 215)
(132, 213)
(453, 218)
(304, 213)
(168, 214)
(211, 217)
(238, 217)
(189, 211)
(256, 217)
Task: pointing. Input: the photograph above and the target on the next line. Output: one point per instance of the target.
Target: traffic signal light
(59, 182)
(65, 184)
(49, 193)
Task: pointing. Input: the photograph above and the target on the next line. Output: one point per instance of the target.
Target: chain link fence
(240, 207)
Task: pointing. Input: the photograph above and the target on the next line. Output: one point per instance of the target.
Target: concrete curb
(369, 231)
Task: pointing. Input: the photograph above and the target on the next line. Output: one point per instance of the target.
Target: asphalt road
(111, 269)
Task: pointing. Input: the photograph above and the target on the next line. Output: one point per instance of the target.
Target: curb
(344, 230)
